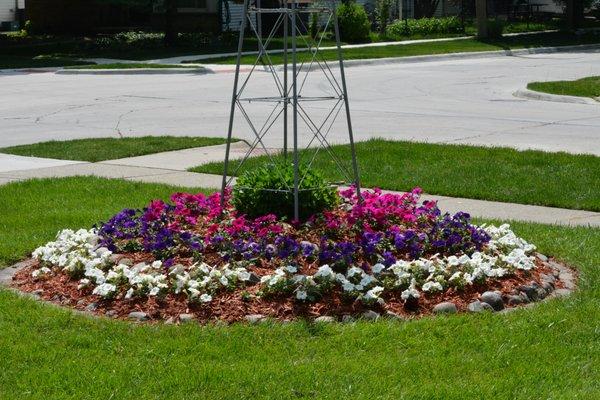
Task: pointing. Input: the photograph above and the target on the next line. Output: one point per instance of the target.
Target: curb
(533, 95)
(471, 55)
(135, 71)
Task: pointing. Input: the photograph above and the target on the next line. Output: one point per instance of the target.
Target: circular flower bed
(388, 253)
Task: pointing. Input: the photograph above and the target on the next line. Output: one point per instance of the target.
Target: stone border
(493, 301)
(534, 95)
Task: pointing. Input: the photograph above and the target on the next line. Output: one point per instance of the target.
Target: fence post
(481, 14)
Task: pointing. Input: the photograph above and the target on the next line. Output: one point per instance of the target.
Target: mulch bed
(236, 305)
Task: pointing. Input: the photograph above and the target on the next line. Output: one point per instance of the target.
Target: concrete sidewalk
(170, 168)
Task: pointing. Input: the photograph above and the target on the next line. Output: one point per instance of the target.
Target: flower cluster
(366, 249)
(73, 252)
(377, 228)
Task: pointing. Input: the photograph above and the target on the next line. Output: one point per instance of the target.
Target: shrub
(254, 193)
(353, 22)
(424, 27)
(495, 28)
(383, 8)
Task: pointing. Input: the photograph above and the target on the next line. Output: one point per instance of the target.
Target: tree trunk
(481, 15)
(574, 14)
(170, 17)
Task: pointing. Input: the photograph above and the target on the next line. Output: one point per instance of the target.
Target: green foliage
(495, 28)
(354, 22)
(136, 40)
(314, 25)
(382, 12)
(424, 26)
(268, 189)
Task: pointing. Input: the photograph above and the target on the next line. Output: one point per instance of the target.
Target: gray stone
(494, 299)
(531, 292)
(515, 299)
(255, 318)
(393, 315)
(139, 265)
(325, 319)
(91, 307)
(548, 278)
(170, 321)
(562, 292)
(80, 302)
(254, 279)
(370, 315)
(37, 292)
(111, 314)
(138, 316)
(6, 275)
(548, 287)
(477, 307)
(445, 308)
(115, 258)
(126, 261)
(347, 319)
(542, 257)
(186, 318)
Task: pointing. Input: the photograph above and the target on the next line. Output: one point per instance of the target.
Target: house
(12, 14)
(91, 16)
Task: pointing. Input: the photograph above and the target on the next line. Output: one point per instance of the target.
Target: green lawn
(13, 62)
(456, 46)
(585, 87)
(502, 174)
(134, 66)
(101, 149)
(551, 351)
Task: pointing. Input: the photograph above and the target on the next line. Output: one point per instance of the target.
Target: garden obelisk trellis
(289, 17)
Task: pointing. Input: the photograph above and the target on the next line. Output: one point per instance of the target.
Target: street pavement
(466, 101)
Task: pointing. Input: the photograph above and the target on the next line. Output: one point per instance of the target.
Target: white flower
(205, 298)
(411, 292)
(292, 269)
(105, 290)
(243, 275)
(432, 287)
(324, 271)
(377, 268)
(348, 286)
(301, 295)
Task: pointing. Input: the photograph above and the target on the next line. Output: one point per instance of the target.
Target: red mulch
(231, 306)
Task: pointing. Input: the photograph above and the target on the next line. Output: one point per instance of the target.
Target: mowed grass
(444, 47)
(33, 211)
(585, 87)
(502, 174)
(550, 351)
(100, 149)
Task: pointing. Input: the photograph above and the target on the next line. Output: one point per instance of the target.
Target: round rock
(325, 319)
(446, 307)
(494, 299)
(138, 316)
(186, 318)
(477, 307)
(370, 315)
(255, 318)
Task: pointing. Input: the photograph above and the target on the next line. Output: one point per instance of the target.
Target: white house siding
(7, 10)
(236, 10)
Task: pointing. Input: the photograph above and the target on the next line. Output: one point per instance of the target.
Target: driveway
(459, 101)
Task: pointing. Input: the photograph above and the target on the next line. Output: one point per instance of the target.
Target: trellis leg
(233, 101)
(347, 105)
(295, 115)
(285, 81)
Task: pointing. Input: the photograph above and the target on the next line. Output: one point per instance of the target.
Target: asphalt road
(459, 101)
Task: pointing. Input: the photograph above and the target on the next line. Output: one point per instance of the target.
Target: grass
(456, 46)
(550, 351)
(133, 66)
(502, 174)
(100, 149)
(585, 87)
(14, 62)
